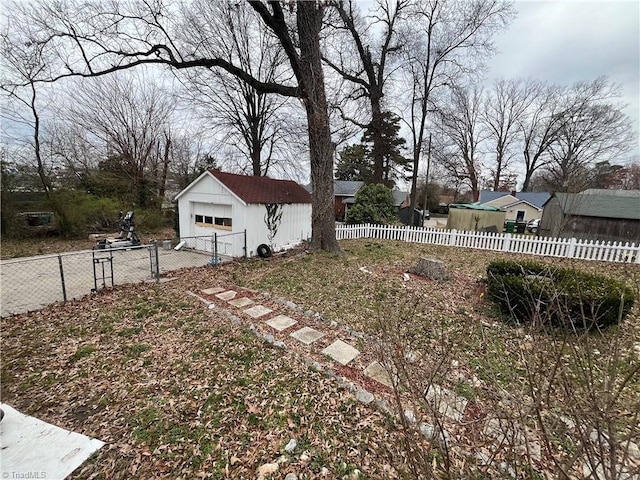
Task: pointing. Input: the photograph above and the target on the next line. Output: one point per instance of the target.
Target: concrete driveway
(32, 283)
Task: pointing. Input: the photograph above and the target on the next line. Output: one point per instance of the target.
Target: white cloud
(568, 41)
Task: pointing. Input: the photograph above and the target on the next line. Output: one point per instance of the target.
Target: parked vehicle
(532, 226)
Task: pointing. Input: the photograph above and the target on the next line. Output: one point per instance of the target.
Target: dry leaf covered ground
(178, 391)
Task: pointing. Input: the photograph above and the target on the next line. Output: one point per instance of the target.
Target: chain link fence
(32, 283)
(221, 247)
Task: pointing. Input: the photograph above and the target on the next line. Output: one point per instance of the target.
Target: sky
(566, 41)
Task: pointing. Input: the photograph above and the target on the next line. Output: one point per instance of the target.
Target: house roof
(475, 206)
(615, 193)
(399, 197)
(537, 199)
(342, 188)
(262, 189)
(346, 188)
(489, 196)
(608, 204)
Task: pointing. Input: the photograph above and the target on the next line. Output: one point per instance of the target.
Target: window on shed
(204, 221)
(223, 222)
(220, 216)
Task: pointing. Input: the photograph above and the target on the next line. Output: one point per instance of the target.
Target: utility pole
(426, 180)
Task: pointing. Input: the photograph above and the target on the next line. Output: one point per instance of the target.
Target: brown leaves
(180, 392)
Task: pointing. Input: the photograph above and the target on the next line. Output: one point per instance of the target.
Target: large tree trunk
(309, 21)
(376, 130)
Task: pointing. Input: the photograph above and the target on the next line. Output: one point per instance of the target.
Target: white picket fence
(504, 242)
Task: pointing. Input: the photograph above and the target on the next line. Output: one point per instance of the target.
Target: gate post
(64, 288)
(157, 272)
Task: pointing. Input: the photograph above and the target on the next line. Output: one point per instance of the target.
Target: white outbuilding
(240, 214)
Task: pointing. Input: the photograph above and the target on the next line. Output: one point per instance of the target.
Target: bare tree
(96, 39)
(504, 108)
(250, 122)
(445, 40)
(461, 132)
(368, 67)
(129, 117)
(593, 129)
(627, 177)
(539, 127)
(190, 157)
(72, 148)
(23, 64)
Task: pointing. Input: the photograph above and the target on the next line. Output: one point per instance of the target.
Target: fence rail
(220, 246)
(504, 242)
(32, 283)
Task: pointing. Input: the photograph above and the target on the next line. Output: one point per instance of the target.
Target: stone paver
(447, 402)
(379, 374)
(341, 352)
(241, 302)
(213, 290)
(281, 322)
(226, 296)
(258, 311)
(307, 335)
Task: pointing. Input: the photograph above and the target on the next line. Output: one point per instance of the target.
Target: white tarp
(31, 448)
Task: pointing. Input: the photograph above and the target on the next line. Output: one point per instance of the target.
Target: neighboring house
(402, 200)
(609, 215)
(224, 203)
(344, 192)
(518, 206)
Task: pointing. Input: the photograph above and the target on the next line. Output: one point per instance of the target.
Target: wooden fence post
(572, 248)
(506, 245)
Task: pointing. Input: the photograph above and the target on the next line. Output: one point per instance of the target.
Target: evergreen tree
(374, 204)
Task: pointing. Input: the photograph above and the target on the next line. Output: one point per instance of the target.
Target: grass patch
(135, 350)
(82, 352)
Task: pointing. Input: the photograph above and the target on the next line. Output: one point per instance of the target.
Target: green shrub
(148, 220)
(79, 213)
(531, 291)
(374, 204)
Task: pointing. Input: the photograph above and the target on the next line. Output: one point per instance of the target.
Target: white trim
(216, 179)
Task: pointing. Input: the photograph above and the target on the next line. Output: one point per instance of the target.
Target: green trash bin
(511, 225)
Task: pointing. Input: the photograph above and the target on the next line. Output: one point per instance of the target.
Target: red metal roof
(263, 189)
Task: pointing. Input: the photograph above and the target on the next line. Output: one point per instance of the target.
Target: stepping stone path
(308, 330)
(213, 291)
(378, 373)
(322, 342)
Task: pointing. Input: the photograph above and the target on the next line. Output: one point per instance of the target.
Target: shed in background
(595, 214)
(473, 217)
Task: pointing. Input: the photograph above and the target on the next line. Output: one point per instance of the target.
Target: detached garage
(273, 212)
